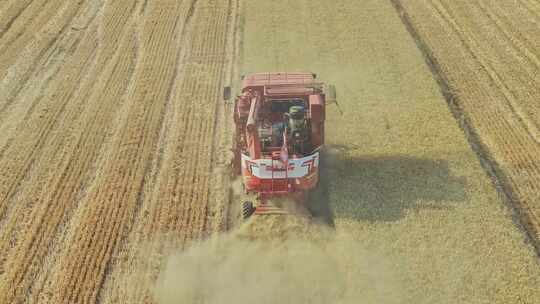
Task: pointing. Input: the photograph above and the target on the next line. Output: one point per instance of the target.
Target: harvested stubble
(107, 129)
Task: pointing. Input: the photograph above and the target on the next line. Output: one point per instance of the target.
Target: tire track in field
(521, 31)
(112, 200)
(24, 99)
(210, 49)
(19, 156)
(175, 210)
(14, 218)
(474, 47)
(518, 155)
(520, 66)
(36, 20)
(479, 101)
(11, 11)
(20, 57)
(20, 160)
(499, 109)
(222, 157)
(33, 130)
(147, 220)
(55, 206)
(17, 49)
(507, 78)
(517, 31)
(16, 160)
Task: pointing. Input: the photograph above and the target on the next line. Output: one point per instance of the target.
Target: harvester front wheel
(247, 209)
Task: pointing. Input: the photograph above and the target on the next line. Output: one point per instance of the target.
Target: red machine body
(279, 121)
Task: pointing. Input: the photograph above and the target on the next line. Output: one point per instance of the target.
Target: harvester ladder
(277, 157)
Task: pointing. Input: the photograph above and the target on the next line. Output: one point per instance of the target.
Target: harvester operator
(297, 128)
(294, 123)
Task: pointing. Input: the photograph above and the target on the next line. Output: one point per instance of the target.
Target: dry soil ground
(113, 147)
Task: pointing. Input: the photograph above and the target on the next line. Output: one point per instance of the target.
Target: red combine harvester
(279, 121)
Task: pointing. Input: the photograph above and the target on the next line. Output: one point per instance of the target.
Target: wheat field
(115, 182)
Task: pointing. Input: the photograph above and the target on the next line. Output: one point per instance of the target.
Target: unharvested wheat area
(115, 152)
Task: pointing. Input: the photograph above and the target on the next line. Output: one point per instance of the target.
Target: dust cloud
(278, 259)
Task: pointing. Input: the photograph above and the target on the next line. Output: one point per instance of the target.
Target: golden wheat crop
(115, 152)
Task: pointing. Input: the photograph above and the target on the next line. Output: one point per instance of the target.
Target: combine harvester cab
(279, 120)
